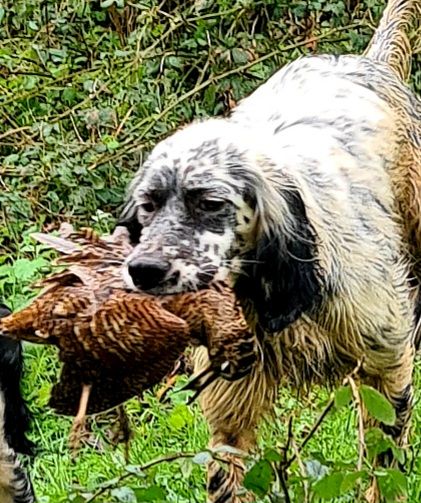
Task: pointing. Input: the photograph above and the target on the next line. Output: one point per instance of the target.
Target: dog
(15, 485)
(307, 199)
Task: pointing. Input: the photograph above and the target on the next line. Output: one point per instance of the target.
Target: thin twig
(281, 468)
(360, 413)
(310, 434)
(76, 130)
(123, 121)
(284, 486)
(302, 470)
(162, 459)
(14, 131)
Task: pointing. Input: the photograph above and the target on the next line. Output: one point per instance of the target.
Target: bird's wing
(60, 244)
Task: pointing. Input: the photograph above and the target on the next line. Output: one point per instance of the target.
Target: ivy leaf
(392, 484)
(330, 486)
(350, 479)
(343, 396)
(151, 493)
(259, 478)
(25, 269)
(378, 405)
(239, 56)
(272, 455)
(378, 442)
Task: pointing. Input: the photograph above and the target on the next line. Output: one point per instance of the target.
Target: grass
(86, 87)
(160, 429)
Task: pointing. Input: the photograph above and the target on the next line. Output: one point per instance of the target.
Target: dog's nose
(146, 274)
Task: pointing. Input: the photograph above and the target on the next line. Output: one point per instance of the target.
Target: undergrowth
(86, 88)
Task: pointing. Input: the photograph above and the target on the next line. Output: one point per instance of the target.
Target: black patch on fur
(284, 279)
(216, 480)
(16, 420)
(133, 226)
(402, 405)
(24, 492)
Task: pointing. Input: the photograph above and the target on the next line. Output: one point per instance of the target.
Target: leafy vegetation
(86, 88)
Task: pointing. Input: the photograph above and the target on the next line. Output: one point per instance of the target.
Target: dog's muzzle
(147, 274)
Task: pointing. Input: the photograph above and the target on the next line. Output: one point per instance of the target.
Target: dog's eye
(147, 206)
(211, 205)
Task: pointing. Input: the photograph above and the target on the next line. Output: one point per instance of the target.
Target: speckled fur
(15, 486)
(319, 229)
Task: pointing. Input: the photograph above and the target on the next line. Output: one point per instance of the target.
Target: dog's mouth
(176, 282)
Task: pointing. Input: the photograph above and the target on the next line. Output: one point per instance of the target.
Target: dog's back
(363, 102)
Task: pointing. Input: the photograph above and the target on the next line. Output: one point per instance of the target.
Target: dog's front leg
(233, 411)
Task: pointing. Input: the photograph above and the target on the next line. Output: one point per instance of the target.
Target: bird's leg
(78, 425)
(170, 379)
(166, 387)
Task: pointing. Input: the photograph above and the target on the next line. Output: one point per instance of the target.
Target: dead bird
(115, 343)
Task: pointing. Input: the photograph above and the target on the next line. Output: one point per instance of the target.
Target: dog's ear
(282, 275)
(128, 218)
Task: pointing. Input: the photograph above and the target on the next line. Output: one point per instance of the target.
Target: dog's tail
(391, 41)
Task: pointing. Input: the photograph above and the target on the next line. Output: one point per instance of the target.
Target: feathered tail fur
(391, 41)
(391, 45)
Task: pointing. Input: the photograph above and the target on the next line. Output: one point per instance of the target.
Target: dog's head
(206, 205)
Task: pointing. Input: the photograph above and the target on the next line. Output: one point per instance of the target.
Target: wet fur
(320, 230)
(15, 486)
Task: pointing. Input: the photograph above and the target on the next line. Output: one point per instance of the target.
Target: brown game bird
(115, 343)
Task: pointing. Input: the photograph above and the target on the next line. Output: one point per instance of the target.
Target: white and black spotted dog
(308, 199)
(15, 485)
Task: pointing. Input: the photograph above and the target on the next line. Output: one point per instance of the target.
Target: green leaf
(392, 484)
(239, 56)
(343, 396)
(378, 442)
(106, 3)
(25, 269)
(259, 478)
(350, 479)
(378, 405)
(152, 493)
(272, 455)
(68, 95)
(330, 486)
(258, 70)
(209, 97)
(180, 416)
(186, 467)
